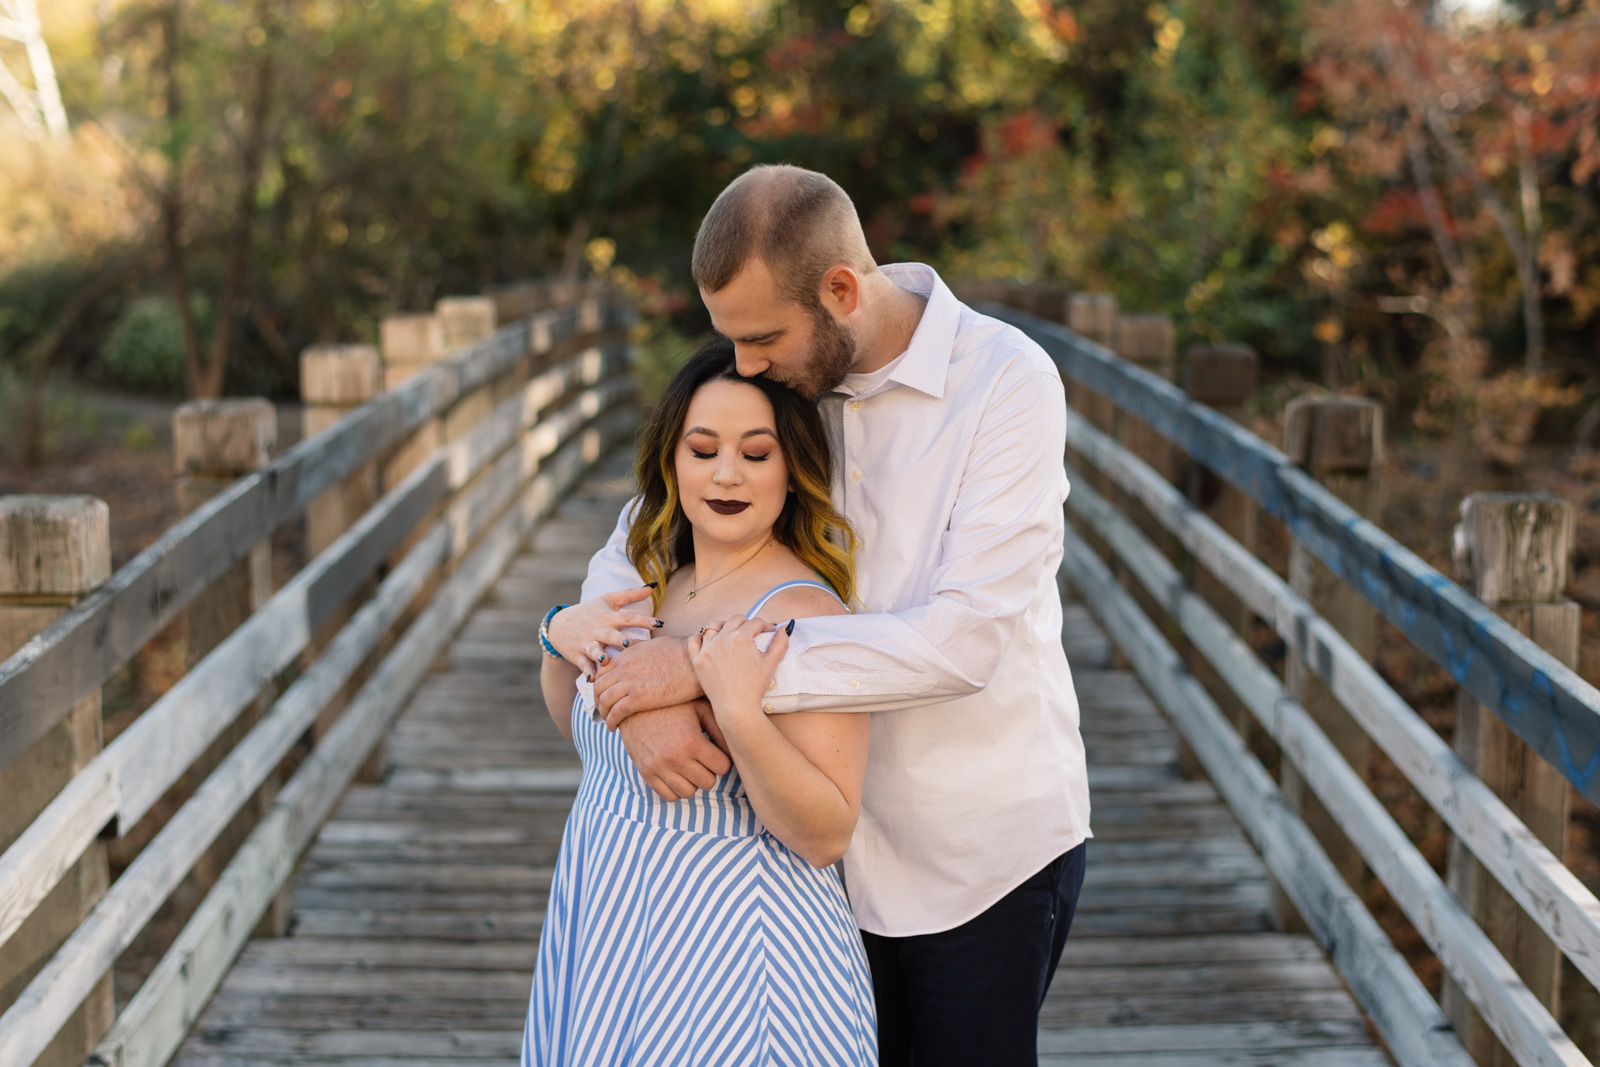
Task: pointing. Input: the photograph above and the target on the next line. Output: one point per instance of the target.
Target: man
(949, 430)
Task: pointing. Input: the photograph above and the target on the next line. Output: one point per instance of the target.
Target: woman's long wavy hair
(660, 539)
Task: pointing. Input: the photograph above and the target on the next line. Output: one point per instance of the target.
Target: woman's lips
(727, 507)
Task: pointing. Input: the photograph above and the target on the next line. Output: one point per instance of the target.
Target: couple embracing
(828, 626)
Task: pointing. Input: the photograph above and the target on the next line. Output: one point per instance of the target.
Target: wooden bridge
(339, 826)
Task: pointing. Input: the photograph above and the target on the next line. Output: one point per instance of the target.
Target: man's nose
(749, 363)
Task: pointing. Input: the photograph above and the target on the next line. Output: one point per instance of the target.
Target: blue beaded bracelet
(544, 631)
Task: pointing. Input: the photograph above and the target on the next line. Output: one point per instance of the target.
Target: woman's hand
(732, 671)
(582, 632)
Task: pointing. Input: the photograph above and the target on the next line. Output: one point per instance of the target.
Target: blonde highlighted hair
(660, 539)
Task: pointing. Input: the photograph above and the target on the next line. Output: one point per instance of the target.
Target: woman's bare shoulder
(801, 602)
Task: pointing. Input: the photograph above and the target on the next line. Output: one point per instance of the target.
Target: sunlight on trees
(1377, 194)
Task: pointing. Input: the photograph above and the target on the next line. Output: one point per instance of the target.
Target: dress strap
(775, 590)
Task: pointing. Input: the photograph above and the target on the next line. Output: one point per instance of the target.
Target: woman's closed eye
(755, 458)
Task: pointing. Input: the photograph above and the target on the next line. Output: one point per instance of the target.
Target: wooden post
(1222, 377)
(1092, 316)
(465, 320)
(334, 381)
(1148, 341)
(411, 344)
(1339, 441)
(1513, 551)
(216, 442)
(53, 550)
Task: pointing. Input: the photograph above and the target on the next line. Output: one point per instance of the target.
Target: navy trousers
(971, 996)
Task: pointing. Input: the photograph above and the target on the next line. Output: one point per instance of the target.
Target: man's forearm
(645, 676)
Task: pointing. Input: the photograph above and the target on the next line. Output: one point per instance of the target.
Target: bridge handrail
(1534, 876)
(466, 507)
(1410, 1023)
(80, 651)
(1540, 699)
(1490, 982)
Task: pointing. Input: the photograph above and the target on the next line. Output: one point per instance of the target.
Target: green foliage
(144, 351)
(1182, 154)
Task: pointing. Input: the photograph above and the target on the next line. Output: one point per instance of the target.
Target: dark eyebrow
(758, 431)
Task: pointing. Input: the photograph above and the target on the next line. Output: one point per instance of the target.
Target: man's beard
(833, 353)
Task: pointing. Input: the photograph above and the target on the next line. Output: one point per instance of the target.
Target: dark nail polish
(659, 624)
(790, 628)
(650, 585)
(624, 642)
(603, 660)
(589, 678)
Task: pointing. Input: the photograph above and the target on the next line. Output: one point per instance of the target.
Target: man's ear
(841, 290)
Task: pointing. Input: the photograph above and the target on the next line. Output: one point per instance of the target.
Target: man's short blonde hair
(798, 222)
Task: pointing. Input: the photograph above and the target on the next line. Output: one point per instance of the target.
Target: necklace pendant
(689, 597)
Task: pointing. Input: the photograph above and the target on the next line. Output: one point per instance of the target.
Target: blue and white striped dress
(685, 934)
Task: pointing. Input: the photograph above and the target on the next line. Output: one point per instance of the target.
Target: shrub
(145, 349)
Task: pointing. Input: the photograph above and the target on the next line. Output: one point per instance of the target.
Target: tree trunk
(172, 203)
(1532, 225)
(214, 373)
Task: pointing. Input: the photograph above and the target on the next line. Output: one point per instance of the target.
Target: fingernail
(702, 629)
(789, 630)
(660, 623)
(588, 678)
(649, 585)
(604, 658)
(624, 642)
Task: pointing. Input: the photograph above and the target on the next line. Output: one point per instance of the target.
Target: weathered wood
(410, 344)
(1519, 861)
(154, 1024)
(1512, 550)
(464, 320)
(53, 546)
(53, 550)
(1482, 972)
(163, 742)
(1222, 377)
(1339, 441)
(216, 442)
(75, 655)
(1403, 1012)
(223, 437)
(1547, 704)
(161, 866)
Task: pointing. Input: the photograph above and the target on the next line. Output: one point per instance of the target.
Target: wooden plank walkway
(417, 912)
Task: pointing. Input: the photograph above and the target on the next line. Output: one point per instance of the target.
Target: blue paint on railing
(1541, 700)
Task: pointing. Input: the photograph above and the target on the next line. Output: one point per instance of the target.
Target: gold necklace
(719, 577)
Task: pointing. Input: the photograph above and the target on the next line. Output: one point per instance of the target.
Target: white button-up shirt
(950, 470)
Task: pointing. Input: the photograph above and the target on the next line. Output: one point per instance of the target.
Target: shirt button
(772, 683)
(854, 684)
(767, 708)
(855, 475)
(855, 405)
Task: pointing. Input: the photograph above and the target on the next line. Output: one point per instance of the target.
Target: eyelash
(712, 455)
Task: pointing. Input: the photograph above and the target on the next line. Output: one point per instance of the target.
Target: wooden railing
(1147, 599)
(459, 462)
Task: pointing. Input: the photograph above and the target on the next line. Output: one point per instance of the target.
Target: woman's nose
(727, 471)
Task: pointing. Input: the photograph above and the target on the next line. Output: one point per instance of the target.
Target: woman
(711, 930)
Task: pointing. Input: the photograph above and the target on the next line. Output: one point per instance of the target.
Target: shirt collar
(927, 358)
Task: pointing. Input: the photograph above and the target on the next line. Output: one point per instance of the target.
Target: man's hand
(671, 751)
(651, 674)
